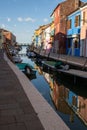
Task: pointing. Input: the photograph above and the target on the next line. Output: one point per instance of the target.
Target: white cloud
(3, 25)
(20, 19)
(8, 19)
(29, 19)
(45, 20)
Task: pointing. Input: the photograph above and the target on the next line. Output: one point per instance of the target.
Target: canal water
(68, 100)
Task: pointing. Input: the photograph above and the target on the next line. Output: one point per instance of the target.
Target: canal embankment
(78, 62)
(22, 106)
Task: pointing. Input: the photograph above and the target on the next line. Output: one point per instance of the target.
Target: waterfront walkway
(21, 105)
(72, 60)
(16, 111)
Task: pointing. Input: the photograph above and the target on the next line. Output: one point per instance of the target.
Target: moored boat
(26, 68)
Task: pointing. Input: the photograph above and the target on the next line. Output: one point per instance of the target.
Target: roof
(55, 9)
(84, 5)
(65, 2)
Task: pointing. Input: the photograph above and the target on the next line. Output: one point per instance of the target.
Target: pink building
(83, 36)
(82, 111)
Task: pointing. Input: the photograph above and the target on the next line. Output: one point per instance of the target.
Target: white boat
(31, 54)
(16, 59)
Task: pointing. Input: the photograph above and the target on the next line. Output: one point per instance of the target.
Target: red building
(59, 16)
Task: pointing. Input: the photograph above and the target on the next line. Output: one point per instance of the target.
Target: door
(86, 47)
(73, 47)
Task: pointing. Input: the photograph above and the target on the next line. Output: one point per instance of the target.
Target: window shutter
(76, 21)
(83, 18)
(68, 24)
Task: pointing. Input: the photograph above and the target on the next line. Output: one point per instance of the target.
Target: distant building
(42, 38)
(38, 36)
(47, 38)
(2, 38)
(10, 38)
(59, 16)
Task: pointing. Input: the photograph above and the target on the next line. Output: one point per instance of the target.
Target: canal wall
(48, 117)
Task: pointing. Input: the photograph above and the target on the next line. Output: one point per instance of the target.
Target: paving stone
(6, 120)
(16, 111)
(4, 127)
(17, 126)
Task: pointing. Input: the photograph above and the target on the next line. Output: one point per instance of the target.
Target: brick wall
(66, 8)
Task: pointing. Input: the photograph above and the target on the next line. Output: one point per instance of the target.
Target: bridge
(24, 44)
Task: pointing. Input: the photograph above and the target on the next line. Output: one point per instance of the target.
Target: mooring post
(74, 79)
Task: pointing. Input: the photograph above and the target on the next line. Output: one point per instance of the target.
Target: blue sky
(22, 17)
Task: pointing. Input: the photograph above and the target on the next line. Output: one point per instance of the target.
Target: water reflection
(68, 100)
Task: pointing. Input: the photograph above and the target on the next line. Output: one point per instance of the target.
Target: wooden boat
(26, 68)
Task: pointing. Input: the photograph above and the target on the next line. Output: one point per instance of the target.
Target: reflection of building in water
(82, 111)
(65, 100)
(68, 102)
(49, 79)
(59, 95)
(39, 69)
(72, 100)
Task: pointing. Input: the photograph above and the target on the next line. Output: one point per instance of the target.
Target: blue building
(73, 33)
(72, 100)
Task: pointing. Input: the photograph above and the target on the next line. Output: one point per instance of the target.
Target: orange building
(9, 37)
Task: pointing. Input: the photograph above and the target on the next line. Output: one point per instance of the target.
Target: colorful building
(60, 19)
(73, 33)
(83, 35)
(52, 32)
(10, 38)
(7, 37)
(47, 38)
(82, 109)
(2, 38)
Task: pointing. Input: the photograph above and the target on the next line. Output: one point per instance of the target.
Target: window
(69, 24)
(76, 44)
(74, 101)
(77, 21)
(83, 18)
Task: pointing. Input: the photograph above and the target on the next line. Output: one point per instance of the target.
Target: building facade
(83, 35)
(73, 33)
(10, 38)
(2, 38)
(60, 19)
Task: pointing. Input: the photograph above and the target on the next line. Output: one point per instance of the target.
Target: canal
(68, 100)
